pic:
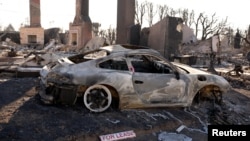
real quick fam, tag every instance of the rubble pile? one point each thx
(18, 58)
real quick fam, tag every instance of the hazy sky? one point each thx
(59, 13)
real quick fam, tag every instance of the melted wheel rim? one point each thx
(97, 98)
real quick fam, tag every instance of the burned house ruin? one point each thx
(80, 31)
(34, 33)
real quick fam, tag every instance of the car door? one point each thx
(155, 81)
(115, 72)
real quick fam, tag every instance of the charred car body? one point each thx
(130, 76)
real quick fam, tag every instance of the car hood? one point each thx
(221, 81)
(189, 69)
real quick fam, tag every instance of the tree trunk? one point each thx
(211, 64)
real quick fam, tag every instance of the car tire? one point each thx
(97, 98)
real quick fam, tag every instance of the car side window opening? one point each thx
(149, 64)
(117, 63)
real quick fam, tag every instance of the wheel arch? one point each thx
(208, 92)
(115, 96)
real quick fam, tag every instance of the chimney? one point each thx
(82, 12)
(35, 16)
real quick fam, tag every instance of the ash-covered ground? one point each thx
(23, 117)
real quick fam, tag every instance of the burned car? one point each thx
(126, 76)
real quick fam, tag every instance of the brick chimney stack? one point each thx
(35, 14)
(80, 31)
(125, 19)
(82, 12)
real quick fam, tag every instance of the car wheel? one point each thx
(97, 98)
